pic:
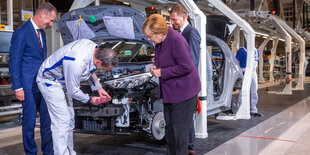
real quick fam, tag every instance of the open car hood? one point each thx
(106, 23)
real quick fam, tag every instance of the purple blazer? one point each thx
(179, 79)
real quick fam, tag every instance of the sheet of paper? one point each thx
(80, 32)
(120, 26)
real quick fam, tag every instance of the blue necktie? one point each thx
(179, 31)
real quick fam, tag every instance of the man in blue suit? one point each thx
(178, 17)
(27, 53)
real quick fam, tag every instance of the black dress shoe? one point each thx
(256, 114)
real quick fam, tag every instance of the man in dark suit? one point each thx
(27, 53)
(178, 17)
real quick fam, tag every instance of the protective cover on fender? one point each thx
(104, 23)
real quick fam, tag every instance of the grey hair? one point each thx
(107, 56)
(48, 7)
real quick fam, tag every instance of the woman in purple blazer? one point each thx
(179, 82)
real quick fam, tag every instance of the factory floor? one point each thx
(284, 129)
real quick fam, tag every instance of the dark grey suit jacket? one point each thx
(193, 39)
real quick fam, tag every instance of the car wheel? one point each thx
(158, 126)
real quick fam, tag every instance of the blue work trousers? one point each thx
(34, 102)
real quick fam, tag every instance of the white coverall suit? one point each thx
(241, 57)
(59, 81)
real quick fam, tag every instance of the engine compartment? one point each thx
(133, 106)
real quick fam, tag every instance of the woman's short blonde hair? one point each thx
(156, 24)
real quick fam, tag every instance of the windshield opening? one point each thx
(131, 52)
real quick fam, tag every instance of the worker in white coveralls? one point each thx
(242, 57)
(59, 81)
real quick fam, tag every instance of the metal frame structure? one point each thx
(9, 15)
(288, 39)
(199, 22)
(244, 110)
(236, 43)
(285, 31)
(272, 59)
(261, 61)
(300, 80)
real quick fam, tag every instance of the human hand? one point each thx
(94, 99)
(103, 93)
(156, 73)
(98, 100)
(20, 95)
(152, 68)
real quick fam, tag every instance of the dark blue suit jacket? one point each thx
(193, 39)
(26, 57)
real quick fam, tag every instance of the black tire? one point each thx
(161, 142)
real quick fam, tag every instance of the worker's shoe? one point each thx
(191, 152)
(256, 114)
